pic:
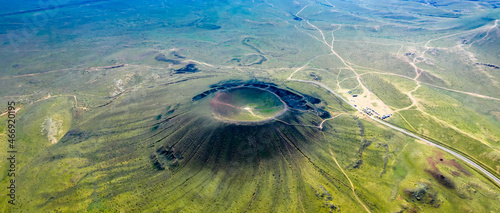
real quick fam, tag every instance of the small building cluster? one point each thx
(370, 112)
(352, 93)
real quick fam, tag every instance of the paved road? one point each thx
(471, 163)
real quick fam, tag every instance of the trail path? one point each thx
(349, 179)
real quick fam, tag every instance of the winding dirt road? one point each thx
(348, 65)
(471, 163)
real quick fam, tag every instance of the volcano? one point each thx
(248, 121)
(225, 146)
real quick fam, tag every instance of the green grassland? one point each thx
(88, 133)
(458, 115)
(379, 57)
(487, 108)
(328, 77)
(105, 166)
(404, 85)
(462, 73)
(386, 91)
(429, 127)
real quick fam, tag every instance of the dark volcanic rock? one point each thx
(312, 100)
(114, 67)
(165, 157)
(315, 76)
(440, 178)
(156, 162)
(176, 54)
(163, 58)
(74, 136)
(423, 194)
(190, 68)
(208, 26)
(323, 114)
(365, 144)
(296, 18)
(357, 164)
(489, 65)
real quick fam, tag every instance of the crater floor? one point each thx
(246, 105)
